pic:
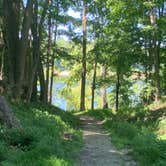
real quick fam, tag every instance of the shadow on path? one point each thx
(98, 149)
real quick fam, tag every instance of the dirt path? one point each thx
(98, 149)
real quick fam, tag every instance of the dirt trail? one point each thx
(98, 149)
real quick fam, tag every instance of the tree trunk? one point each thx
(11, 17)
(48, 57)
(103, 89)
(52, 68)
(43, 92)
(93, 85)
(35, 52)
(23, 47)
(37, 38)
(83, 76)
(117, 91)
(157, 74)
(156, 56)
(51, 81)
(34, 90)
(17, 48)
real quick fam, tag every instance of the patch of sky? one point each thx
(74, 13)
(77, 30)
(110, 89)
(25, 2)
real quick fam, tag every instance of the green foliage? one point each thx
(41, 140)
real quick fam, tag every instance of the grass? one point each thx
(41, 141)
(141, 129)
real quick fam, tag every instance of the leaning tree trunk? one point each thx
(6, 115)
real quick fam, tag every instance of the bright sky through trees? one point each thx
(73, 13)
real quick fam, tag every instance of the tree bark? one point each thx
(17, 48)
(93, 85)
(23, 47)
(117, 90)
(83, 76)
(51, 81)
(103, 89)
(48, 57)
(156, 56)
(37, 38)
(157, 74)
(43, 92)
(34, 96)
(52, 68)
(11, 17)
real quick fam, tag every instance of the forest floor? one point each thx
(98, 149)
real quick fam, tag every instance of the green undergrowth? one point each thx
(138, 129)
(48, 137)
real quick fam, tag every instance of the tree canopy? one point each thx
(108, 47)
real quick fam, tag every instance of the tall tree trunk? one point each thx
(34, 90)
(48, 57)
(51, 81)
(157, 73)
(52, 68)
(11, 17)
(83, 76)
(93, 85)
(43, 92)
(156, 56)
(164, 80)
(117, 90)
(1, 52)
(103, 89)
(37, 38)
(23, 47)
(17, 48)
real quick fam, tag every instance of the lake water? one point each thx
(60, 102)
(56, 99)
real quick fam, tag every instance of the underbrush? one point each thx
(138, 129)
(48, 137)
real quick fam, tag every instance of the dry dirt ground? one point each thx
(98, 149)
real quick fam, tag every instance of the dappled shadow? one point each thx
(98, 149)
